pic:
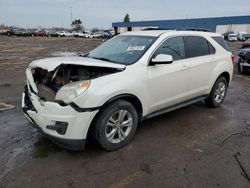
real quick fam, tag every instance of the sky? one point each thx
(101, 13)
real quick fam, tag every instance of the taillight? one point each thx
(232, 57)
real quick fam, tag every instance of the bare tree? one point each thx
(77, 25)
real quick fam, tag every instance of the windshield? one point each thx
(122, 49)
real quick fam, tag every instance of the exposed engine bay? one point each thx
(48, 83)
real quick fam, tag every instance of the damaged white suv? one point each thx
(109, 91)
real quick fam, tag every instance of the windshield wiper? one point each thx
(104, 59)
(83, 54)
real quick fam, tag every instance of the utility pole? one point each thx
(71, 15)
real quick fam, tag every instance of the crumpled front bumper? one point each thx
(63, 125)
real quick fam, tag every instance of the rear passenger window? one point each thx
(198, 46)
(174, 47)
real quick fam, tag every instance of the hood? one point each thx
(51, 64)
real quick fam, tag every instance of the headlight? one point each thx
(71, 91)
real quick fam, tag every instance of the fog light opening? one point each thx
(60, 127)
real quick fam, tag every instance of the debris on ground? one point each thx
(233, 134)
(5, 106)
(237, 157)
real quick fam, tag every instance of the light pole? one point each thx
(71, 15)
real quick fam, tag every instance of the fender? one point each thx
(107, 88)
(222, 67)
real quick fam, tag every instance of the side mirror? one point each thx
(162, 59)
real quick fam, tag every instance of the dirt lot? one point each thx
(190, 147)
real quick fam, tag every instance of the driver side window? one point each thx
(174, 47)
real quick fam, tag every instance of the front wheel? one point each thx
(218, 93)
(116, 125)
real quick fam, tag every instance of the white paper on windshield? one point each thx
(136, 48)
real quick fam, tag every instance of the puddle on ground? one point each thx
(64, 54)
(43, 147)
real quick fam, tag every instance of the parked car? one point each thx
(227, 33)
(40, 33)
(65, 34)
(243, 64)
(240, 35)
(106, 35)
(22, 33)
(245, 37)
(51, 33)
(246, 44)
(61, 33)
(7, 31)
(232, 37)
(129, 78)
(90, 35)
(83, 35)
(18, 32)
(97, 35)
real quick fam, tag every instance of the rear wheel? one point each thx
(116, 125)
(218, 93)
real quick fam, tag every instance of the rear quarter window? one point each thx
(198, 46)
(222, 43)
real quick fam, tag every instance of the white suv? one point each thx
(137, 75)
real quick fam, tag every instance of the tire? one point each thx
(241, 69)
(217, 97)
(108, 124)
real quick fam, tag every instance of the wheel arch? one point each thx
(225, 75)
(134, 100)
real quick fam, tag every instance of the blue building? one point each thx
(216, 24)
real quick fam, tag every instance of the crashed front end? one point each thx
(48, 102)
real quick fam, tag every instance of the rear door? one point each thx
(200, 54)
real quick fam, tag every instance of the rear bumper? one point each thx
(245, 64)
(63, 125)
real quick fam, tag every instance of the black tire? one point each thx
(211, 100)
(100, 129)
(241, 70)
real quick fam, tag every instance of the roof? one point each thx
(157, 33)
(206, 23)
(153, 33)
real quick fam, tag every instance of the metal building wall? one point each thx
(206, 23)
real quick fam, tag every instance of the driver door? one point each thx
(168, 83)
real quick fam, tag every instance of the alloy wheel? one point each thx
(118, 126)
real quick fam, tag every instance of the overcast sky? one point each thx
(101, 13)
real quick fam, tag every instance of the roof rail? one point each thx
(153, 28)
(195, 29)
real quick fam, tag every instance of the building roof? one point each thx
(208, 23)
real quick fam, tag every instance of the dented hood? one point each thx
(51, 64)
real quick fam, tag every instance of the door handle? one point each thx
(184, 67)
